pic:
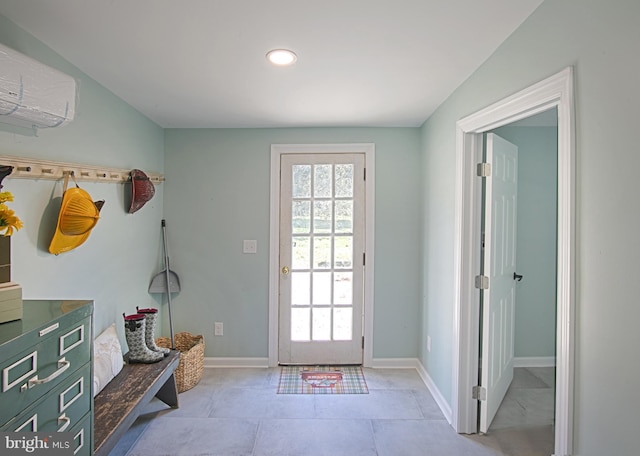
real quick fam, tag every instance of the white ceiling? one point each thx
(201, 63)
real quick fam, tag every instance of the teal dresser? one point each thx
(47, 371)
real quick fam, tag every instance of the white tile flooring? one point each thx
(238, 412)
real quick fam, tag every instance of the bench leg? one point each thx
(168, 393)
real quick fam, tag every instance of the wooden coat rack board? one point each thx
(28, 168)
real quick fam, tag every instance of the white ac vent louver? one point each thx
(33, 94)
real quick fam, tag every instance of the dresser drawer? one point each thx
(39, 322)
(62, 409)
(35, 371)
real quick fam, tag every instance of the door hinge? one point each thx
(364, 259)
(482, 282)
(483, 169)
(479, 393)
(364, 174)
(363, 342)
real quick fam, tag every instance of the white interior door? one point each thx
(321, 258)
(499, 264)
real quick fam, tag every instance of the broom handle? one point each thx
(166, 271)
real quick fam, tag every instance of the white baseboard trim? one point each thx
(414, 363)
(236, 362)
(435, 392)
(394, 363)
(534, 361)
(378, 363)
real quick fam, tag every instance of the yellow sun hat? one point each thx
(78, 215)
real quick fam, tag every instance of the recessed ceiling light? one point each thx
(282, 57)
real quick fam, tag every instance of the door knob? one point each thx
(285, 270)
(517, 277)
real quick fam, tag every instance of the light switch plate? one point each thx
(249, 246)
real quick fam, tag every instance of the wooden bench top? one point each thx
(118, 405)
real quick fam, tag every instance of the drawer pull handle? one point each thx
(67, 421)
(63, 365)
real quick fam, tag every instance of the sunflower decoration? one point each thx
(9, 221)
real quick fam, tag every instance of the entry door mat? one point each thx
(322, 380)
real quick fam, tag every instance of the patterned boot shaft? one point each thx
(134, 330)
(151, 319)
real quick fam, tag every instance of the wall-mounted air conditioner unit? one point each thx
(33, 94)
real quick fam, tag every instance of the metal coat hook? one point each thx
(5, 170)
(517, 277)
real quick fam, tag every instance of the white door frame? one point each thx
(555, 91)
(274, 236)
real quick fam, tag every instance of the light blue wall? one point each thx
(535, 316)
(217, 195)
(601, 40)
(123, 251)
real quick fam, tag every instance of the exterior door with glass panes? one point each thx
(321, 258)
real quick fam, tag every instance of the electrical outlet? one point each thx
(250, 246)
(218, 328)
(428, 343)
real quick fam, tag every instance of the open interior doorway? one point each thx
(555, 91)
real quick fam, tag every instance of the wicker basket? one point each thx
(191, 348)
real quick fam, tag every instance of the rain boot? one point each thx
(134, 331)
(151, 318)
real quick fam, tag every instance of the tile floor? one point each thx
(237, 412)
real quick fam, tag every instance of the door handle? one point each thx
(517, 277)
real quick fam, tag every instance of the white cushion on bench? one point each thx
(107, 358)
